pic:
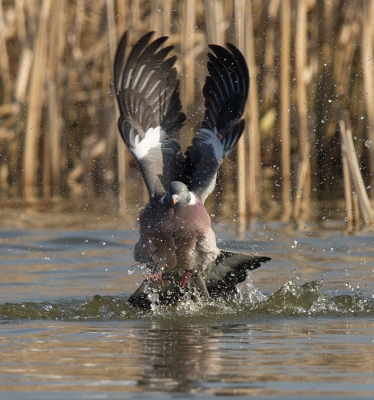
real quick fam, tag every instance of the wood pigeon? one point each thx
(177, 242)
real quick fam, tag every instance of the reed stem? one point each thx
(285, 108)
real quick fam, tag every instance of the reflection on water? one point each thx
(274, 357)
(65, 327)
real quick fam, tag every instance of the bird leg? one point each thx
(154, 273)
(186, 278)
(199, 281)
(202, 286)
(155, 276)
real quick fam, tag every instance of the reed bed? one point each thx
(308, 140)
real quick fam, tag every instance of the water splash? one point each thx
(309, 299)
(289, 299)
(249, 294)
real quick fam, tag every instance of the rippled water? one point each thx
(66, 331)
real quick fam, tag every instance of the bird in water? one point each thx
(177, 242)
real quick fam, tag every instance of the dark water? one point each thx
(304, 326)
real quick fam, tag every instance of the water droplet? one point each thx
(131, 270)
(368, 143)
(346, 219)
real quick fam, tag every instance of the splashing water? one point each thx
(289, 299)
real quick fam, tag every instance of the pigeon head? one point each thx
(178, 195)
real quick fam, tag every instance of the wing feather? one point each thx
(225, 92)
(147, 90)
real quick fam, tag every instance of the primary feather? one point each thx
(147, 91)
(225, 92)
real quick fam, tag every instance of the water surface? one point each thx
(66, 331)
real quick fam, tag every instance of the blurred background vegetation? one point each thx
(311, 64)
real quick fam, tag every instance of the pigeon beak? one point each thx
(174, 199)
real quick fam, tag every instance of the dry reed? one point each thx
(285, 107)
(254, 156)
(302, 195)
(349, 153)
(58, 136)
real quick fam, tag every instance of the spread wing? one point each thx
(147, 91)
(225, 91)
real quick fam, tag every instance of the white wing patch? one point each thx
(209, 189)
(152, 139)
(192, 202)
(211, 138)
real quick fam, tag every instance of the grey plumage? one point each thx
(225, 92)
(176, 238)
(147, 91)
